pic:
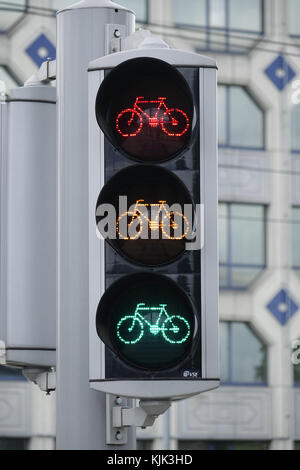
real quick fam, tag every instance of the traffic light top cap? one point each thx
(174, 57)
(42, 93)
(95, 4)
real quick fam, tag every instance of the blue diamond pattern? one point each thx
(41, 49)
(280, 73)
(282, 307)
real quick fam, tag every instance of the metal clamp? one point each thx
(113, 35)
(47, 71)
(45, 379)
(119, 416)
(116, 40)
(45, 74)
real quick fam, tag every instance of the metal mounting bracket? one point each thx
(141, 39)
(45, 379)
(113, 35)
(45, 74)
(115, 435)
(119, 416)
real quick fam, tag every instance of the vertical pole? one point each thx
(286, 240)
(80, 39)
(281, 210)
(166, 430)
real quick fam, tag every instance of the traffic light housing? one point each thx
(153, 267)
(28, 245)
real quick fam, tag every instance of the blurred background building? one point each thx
(256, 44)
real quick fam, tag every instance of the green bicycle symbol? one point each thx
(131, 329)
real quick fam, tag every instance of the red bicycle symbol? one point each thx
(174, 122)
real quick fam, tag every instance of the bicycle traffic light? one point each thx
(153, 224)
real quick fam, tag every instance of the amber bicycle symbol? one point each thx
(164, 220)
(174, 122)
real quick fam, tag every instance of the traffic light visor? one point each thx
(155, 221)
(147, 320)
(145, 108)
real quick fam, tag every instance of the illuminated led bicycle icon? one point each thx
(130, 225)
(174, 122)
(174, 328)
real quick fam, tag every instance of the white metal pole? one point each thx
(80, 39)
(166, 430)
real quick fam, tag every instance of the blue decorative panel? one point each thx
(280, 73)
(41, 49)
(282, 307)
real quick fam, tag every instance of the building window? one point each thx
(243, 355)
(219, 19)
(60, 4)
(241, 120)
(7, 81)
(242, 240)
(8, 374)
(144, 444)
(140, 7)
(294, 13)
(297, 375)
(11, 13)
(296, 238)
(14, 444)
(223, 445)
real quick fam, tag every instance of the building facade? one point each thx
(255, 43)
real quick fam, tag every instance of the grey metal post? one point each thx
(81, 38)
(166, 430)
